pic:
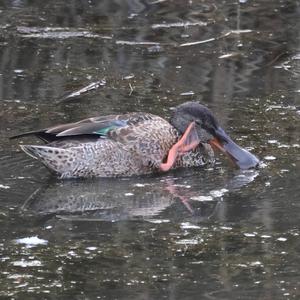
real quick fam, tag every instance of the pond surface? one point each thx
(212, 233)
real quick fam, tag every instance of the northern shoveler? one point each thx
(135, 144)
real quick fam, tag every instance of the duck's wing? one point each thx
(95, 127)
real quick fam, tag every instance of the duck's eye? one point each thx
(209, 129)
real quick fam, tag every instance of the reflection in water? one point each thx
(45, 69)
(114, 200)
(117, 199)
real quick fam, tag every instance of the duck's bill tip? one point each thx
(241, 157)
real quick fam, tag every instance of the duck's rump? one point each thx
(73, 158)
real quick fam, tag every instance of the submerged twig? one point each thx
(131, 89)
(133, 43)
(216, 38)
(197, 43)
(90, 87)
(178, 25)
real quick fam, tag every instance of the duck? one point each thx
(135, 143)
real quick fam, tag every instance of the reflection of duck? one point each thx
(135, 143)
(168, 198)
(101, 199)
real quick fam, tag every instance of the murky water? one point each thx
(190, 234)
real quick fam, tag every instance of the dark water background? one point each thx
(190, 234)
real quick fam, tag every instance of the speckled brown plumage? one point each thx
(136, 148)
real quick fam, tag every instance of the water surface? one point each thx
(212, 233)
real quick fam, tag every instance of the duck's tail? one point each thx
(57, 160)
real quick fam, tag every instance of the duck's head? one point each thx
(209, 131)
